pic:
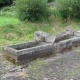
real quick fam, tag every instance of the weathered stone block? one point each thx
(28, 50)
(61, 36)
(43, 45)
(50, 38)
(75, 41)
(66, 44)
(77, 33)
(56, 37)
(63, 45)
(40, 35)
(70, 30)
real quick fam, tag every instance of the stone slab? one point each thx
(50, 38)
(40, 35)
(40, 49)
(57, 37)
(67, 44)
(77, 33)
(70, 30)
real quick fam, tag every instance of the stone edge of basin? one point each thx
(50, 47)
(27, 53)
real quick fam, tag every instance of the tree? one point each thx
(5, 3)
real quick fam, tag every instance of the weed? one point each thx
(8, 20)
(2, 71)
(13, 31)
(36, 63)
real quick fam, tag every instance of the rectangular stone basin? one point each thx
(67, 44)
(28, 50)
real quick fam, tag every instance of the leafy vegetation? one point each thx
(36, 63)
(68, 8)
(5, 3)
(13, 30)
(4, 21)
(51, 0)
(32, 10)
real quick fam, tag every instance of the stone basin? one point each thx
(43, 45)
(28, 50)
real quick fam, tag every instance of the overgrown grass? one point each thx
(13, 31)
(8, 20)
(36, 63)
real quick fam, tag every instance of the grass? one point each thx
(36, 63)
(14, 31)
(8, 20)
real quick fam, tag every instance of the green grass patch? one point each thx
(8, 20)
(36, 63)
(13, 31)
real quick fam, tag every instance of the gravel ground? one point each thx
(64, 66)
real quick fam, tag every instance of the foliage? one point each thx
(4, 20)
(68, 8)
(51, 0)
(36, 62)
(8, 11)
(7, 8)
(32, 10)
(13, 31)
(5, 3)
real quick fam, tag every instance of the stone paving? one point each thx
(64, 66)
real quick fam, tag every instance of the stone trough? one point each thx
(43, 44)
(28, 50)
(67, 44)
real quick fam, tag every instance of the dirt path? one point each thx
(60, 67)
(65, 67)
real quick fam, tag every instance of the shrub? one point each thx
(5, 3)
(68, 8)
(32, 10)
(51, 0)
(7, 8)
